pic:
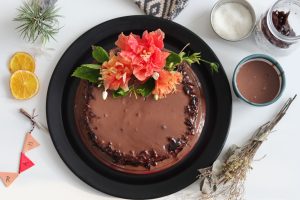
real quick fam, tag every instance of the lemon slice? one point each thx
(24, 84)
(21, 61)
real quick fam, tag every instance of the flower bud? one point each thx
(155, 75)
(104, 95)
(124, 78)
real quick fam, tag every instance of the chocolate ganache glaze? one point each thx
(141, 135)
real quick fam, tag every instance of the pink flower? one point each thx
(145, 53)
(116, 72)
(166, 83)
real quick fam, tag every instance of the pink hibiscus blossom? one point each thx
(145, 53)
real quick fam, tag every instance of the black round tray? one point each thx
(60, 114)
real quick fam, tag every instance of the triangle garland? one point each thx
(8, 177)
(25, 163)
(30, 143)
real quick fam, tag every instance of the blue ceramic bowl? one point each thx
(267, 59)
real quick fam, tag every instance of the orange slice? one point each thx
(21, 61)
(24, 84)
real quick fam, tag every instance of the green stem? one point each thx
(205, 61)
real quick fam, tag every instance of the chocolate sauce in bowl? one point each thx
(258, 81)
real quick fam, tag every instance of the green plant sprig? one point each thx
(37, 22)
(175, 59)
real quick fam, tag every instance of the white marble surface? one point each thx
(275, 177)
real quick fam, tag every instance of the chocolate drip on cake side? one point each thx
(191, 110)
(146, 158)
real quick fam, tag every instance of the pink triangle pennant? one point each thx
(30, 143)
(8, 177)
(25, 163)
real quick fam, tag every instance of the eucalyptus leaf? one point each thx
(99, 54)
(87, 73)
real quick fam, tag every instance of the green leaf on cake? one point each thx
(172, 61)
(143, 90)
(121, 93)
(99, 54)
(87, 73)
(91, 66)
(146, 88)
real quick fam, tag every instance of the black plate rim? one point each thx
(127, 190)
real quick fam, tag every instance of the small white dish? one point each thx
(244, 3)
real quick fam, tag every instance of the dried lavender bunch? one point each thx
(225, 180)
(38, 19)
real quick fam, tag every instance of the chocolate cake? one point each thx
(141, 135)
